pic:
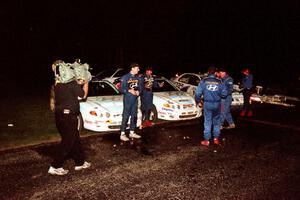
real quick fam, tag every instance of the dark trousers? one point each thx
(146, 101)
(129, 110)
(70, 146)
(246, 94)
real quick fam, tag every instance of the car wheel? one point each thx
(80, 122)
(153, 114)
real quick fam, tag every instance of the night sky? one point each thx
(170, 35)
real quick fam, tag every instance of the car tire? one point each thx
(153, 114)
(80, 122)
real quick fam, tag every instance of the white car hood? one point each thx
(112, 104)
(179, 97)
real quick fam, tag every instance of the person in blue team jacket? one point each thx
(226, 102)
(149, 82)
(131, 89)
(247, 85)
(212, 90)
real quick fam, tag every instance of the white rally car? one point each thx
(169, 103)
(189, 81)
(111, 74)
(103, 108)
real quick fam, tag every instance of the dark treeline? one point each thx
(173, 36)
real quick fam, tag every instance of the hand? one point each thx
(161, 84)
(200, 104)
(81, 82)
(85, 89)
(52, 104)
(132, 91)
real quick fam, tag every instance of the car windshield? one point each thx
(101, 89)
(166, 86)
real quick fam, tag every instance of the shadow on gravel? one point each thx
(49, 150)
(138, 145)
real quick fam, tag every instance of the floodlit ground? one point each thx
(257, 160)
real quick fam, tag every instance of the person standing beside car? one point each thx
(247, 85)
(66, 109)
(131, 89)
(212, 90)
(149, 83)
(226, 102)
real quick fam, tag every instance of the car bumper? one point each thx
(109, 125)
(180, 114)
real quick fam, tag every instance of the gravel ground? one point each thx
(254, 161)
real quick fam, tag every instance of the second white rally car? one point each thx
(169, 103)
(189, 81)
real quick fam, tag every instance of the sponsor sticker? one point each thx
(167, 109)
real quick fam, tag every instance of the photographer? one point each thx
(66, 109)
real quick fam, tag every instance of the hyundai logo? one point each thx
(212, 88)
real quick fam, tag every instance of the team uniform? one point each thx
(212, 90)
(247, 82)
(226, 102)
(149, 83)
(130, 101)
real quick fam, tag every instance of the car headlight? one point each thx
(169, 104)
(94, 113)
(106, 114)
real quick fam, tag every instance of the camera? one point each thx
(67, 72)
